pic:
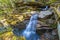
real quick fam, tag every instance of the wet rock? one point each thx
(50, 21)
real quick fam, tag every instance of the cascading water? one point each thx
(30, 32)
(46, 8)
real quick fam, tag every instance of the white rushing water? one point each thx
(30, 32)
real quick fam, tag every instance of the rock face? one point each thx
(58, 11)
(5, 24)
(43, 14)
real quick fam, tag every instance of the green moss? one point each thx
(53, 25)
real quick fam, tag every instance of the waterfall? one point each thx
(45, 8)
(30, 31)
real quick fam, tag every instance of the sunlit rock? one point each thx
(21, 18)
(43, 14)
(4, 22)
